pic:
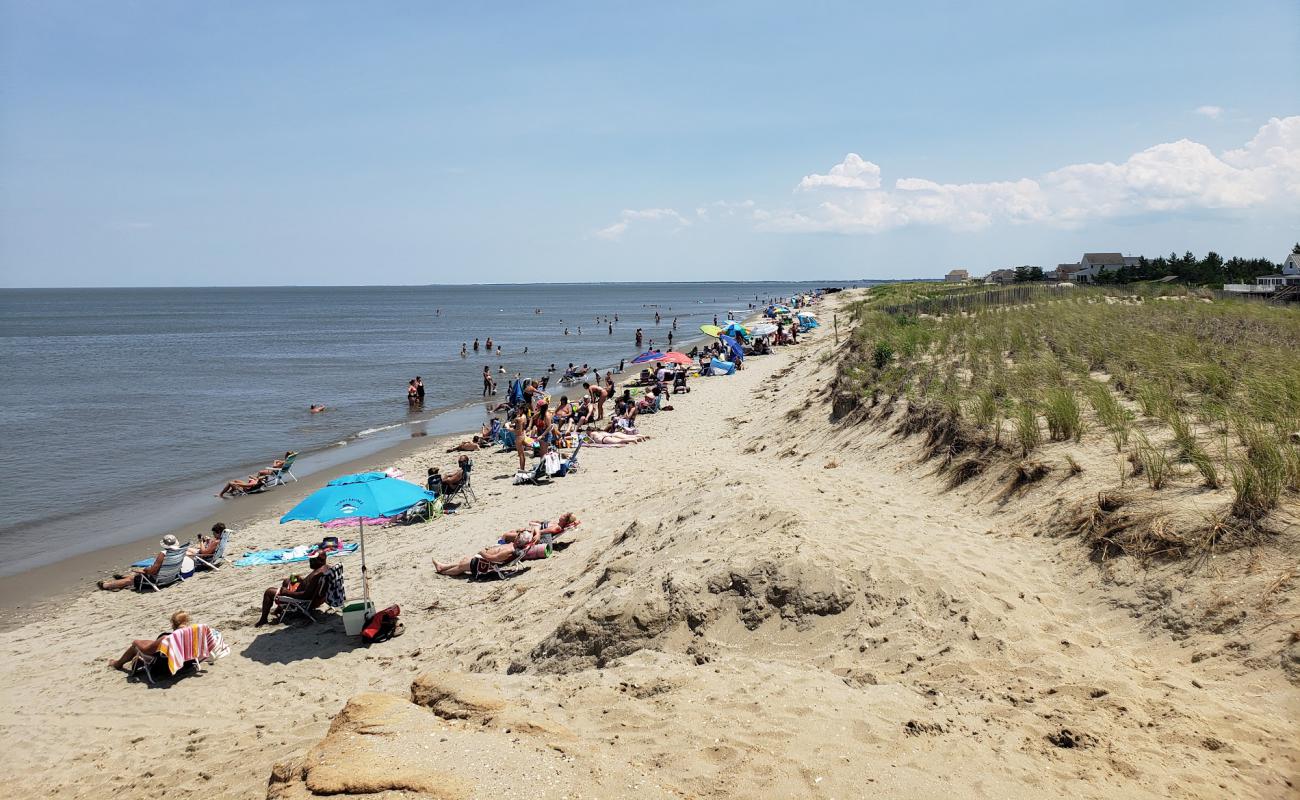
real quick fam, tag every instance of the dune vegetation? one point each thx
(1183, 388)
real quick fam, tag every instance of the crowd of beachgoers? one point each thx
(541, 423)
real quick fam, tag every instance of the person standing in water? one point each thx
(488, 344)
(476, 341)
(638, 338)
(464, 351)
(411, 394)
(670, 339)
(419, 389)
(487, 382)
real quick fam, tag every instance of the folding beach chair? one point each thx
(425, 510)
(330, 593)
(482, 570)
(571, 463)
(169, 572)
(464, 491)
(208, 646)
(211, 562)
(276, 478)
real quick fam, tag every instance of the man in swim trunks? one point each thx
(308, 588)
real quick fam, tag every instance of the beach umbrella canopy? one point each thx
(648, 356)
(734, 346)
(673, 357)
(736, 331)
(766, 329)
(364, 494)
(710, 330)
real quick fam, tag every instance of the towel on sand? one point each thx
(288, 555)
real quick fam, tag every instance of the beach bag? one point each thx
(382, 626)
(552, 462)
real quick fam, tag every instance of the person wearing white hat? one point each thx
(136, 578)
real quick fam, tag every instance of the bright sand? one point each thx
(758, 603)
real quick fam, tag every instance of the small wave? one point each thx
(369, 431)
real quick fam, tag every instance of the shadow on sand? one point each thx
(285, 644)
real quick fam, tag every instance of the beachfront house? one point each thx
(1093, 264)
(1273, 285)
(1001, 276)
(956, 276)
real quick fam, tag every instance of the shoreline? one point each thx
(29, 592)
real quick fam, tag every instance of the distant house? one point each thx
(1001, 276)
(956, 276)
(1062, 272)
(1093, 264)
(1272, 284)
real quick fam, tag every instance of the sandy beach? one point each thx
(758, 602)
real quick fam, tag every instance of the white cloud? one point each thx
(1168, 177)
(1213, 112)
(851, 173)
(615, 231)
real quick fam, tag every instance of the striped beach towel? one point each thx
(192, 643)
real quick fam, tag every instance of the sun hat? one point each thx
(169, 542)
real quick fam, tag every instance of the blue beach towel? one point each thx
(288, 555)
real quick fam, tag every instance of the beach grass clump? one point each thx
(1110, 412)
(1153, 462)
(1063, 414)
(1027, 432)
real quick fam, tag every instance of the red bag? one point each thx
(382, 626)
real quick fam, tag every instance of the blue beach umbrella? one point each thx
(647, 356)
(736, 331)
(734, 346)
(365, 494)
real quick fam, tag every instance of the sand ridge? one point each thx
(758, 602)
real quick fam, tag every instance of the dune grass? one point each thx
(1211, 388)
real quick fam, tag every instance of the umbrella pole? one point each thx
(365, 578)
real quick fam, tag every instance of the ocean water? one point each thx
(124, 410)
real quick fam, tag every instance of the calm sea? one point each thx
(125, 409)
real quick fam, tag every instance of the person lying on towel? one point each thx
(310, 588)
(148, 646)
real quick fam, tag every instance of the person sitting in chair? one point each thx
(136, 578)
(494, 554)
(208, 544)
(310, 588)
(452, 480)
(236, 486)
(537, 528)
(148, 647)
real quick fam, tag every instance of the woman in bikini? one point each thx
(537, 528)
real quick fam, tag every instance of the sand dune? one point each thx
(758, 603)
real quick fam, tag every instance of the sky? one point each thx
(329, 143)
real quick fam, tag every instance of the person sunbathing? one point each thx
(475, 443)
(136, 578)
(309, 589)
(237, 486)
(536, 528)
(148, 647)
(613, 437)
(277, 464)
(494, 554)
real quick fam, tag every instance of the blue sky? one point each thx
(329, 143)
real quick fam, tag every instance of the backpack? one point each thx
(382, 626)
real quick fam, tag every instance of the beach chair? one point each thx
(192, 644)
(482, 570)
(276, 478)
(425, 510)
(330, 594)
(211, 562)
(464, 491)
(169, 572)
(571, 463)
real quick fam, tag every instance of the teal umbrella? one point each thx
(364, 494)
